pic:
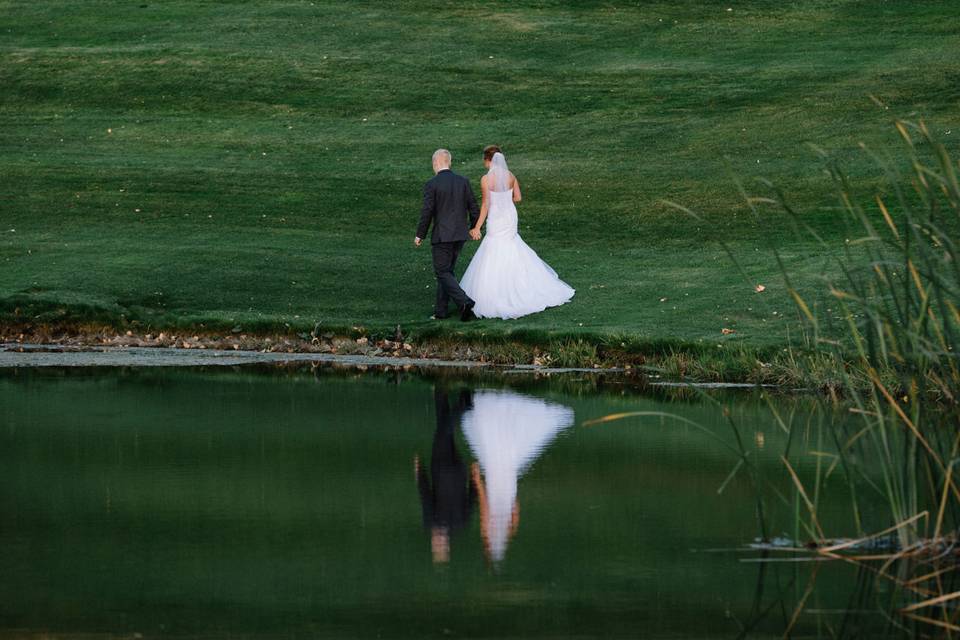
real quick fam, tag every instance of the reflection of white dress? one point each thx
(506, 278)
(507, 432)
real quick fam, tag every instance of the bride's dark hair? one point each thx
(489, 150)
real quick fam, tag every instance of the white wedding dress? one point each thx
(506, 432)
(506, 278)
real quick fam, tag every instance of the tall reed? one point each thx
(894, 345)
(895, 278)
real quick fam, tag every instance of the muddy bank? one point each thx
(681, 363)
(33, 355)
(312, 346)
(29, 355)
(91, 337)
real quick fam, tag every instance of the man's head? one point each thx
(441, 160)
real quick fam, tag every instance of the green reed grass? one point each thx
(884, 348)
(893, 346)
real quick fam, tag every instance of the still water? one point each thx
(321, 503)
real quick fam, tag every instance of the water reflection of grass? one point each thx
(286, 501)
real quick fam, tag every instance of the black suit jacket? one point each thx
(447, 202)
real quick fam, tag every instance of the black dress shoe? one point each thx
(466, 313)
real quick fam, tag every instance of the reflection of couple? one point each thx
(506, 432)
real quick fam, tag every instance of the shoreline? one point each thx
(17, 355)
(677, 362)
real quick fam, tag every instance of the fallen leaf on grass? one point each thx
(727, 332)
(759, 288)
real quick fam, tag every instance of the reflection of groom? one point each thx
(449, 499)
(447, 201)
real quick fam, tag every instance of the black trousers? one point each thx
(445, 256)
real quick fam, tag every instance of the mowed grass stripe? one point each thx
(263, 161)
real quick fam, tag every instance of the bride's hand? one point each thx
(475, 233)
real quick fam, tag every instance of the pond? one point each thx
(295, 501)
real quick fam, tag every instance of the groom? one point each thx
(447, 202)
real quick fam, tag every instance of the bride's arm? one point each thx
(484, 206)
(516, 190)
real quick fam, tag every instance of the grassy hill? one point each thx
(261, 163)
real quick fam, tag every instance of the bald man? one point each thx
(449, 204)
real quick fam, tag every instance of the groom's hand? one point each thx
(416, 242)
(475, 234)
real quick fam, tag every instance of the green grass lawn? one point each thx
(262, 162)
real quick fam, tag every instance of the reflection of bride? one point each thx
(507, 432)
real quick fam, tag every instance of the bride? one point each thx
(506, 278)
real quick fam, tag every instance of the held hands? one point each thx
(417, 241)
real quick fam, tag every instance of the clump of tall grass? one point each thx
(894, 346)
(891, 357)
(893, 349)
(573, 353)
(899, 288)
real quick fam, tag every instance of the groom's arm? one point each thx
(472, 205)
(426, 211)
